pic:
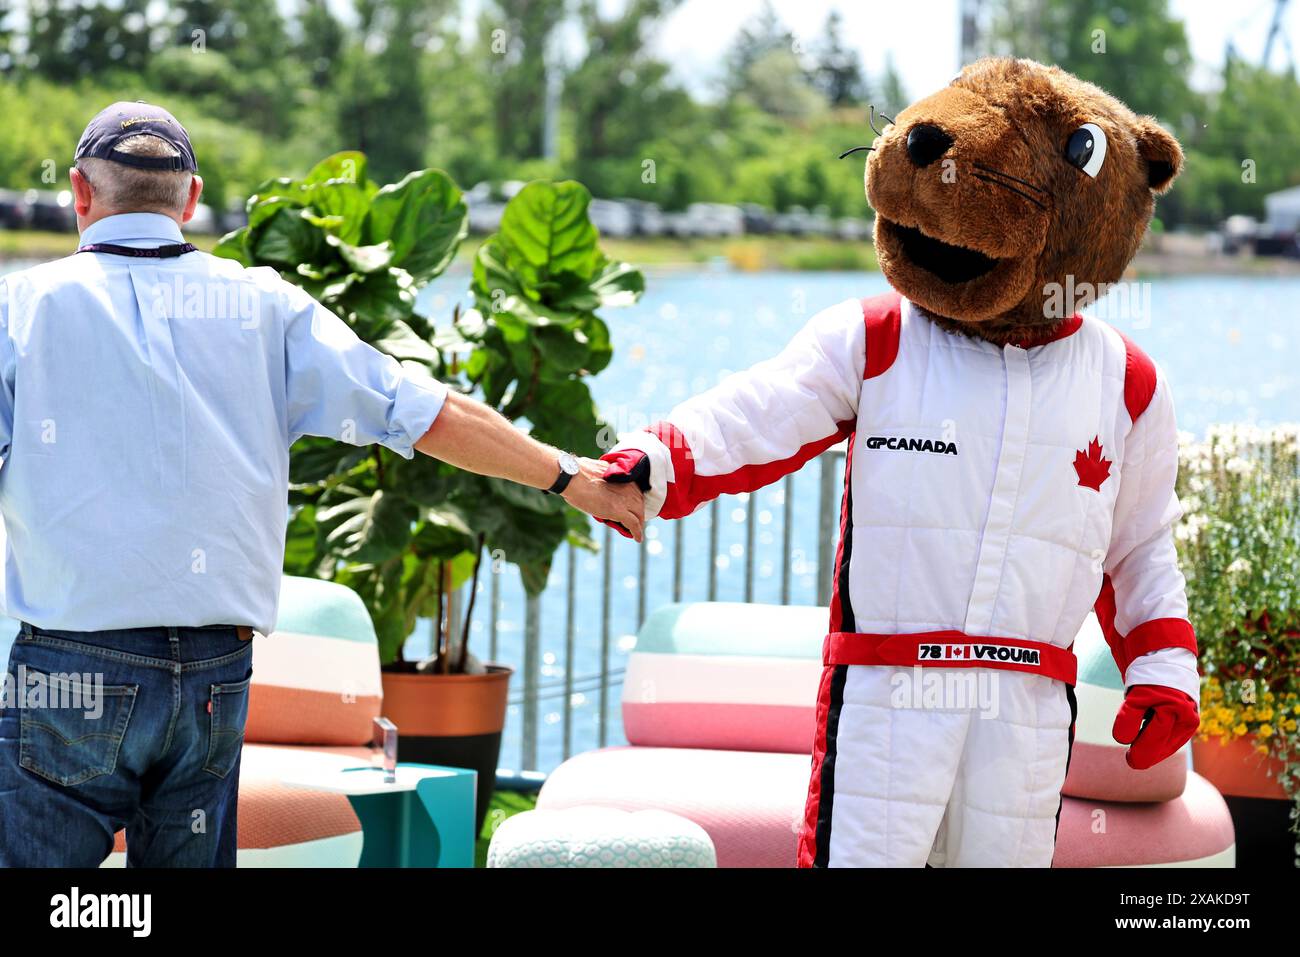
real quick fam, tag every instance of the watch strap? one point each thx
(561, 483)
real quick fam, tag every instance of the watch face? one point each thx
(569, 463)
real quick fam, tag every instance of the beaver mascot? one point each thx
(1010, 467)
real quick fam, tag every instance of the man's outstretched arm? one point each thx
(477, 438)
(343, 388)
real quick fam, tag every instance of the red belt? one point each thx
(951, 649)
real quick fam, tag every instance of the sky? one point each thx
(922, 35)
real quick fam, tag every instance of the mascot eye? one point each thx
(1086, 148)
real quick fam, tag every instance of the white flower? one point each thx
(1240, 567)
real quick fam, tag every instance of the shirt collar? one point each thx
(1062, 330)
(144, 229)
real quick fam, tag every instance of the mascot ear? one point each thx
(1163, 155)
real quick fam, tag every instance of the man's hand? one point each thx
(474, 437)
(610, 503)
(630, 467)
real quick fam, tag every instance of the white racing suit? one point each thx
(990, 493)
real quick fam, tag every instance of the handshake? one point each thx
(612, 490)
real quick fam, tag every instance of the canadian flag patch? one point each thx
(1093, 467)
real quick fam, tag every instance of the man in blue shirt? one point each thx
(149, 394)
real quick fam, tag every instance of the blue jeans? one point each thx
(136, 728)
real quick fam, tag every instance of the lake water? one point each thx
(1228, 344)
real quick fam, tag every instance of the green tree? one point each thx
(514, 36)
(839, 71)
(382, 106)
(1137, 51)
(618, 96)
(893, 96)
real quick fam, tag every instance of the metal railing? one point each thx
(563, 688)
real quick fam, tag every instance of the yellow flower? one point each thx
(1240, 729)
(1264, 714)
(1262, 749)
(1289, 724)
(1265, 731)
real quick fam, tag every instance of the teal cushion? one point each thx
(735, 628)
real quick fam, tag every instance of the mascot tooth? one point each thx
(1011, 467)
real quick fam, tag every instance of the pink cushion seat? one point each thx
(1193, 829)
(750, 803)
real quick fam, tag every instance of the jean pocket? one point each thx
(75, 734)
(228, 710)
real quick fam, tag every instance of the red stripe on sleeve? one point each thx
(747, 478)
(883, 315)
(1149, 636)
(1139, 379)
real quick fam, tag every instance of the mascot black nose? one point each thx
(926, 143)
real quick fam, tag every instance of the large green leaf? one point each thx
(564, 347)
(423, 219)
(339, 190)
(362, 259)
(315, 460)
(378, 300)
(286, 239)
(234, 245)
(618, 284)
(401, 342)
(348, 166)
(364, 526)
(545, 232)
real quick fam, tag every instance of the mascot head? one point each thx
(998, 189)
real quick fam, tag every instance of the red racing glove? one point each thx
(1155, 721)
(626, 465)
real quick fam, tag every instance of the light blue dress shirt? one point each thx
(147, 407)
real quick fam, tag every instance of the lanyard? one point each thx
(159, 252)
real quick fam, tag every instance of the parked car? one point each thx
(235, 216)
(612, 218)
(793, 222)
(820, 222)
(647, 217)
(716, 219)
(15, 212)
(679, 225)
(757, 219)
(485, 216)
(1269, 243)
(1237, 233)
(480, 192)
(52, 210)
(852, 229)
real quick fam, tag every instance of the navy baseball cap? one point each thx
(123, 120)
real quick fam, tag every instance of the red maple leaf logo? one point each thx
(1092, 466)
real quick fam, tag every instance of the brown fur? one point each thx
(1015, 117)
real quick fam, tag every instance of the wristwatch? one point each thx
(568, 463)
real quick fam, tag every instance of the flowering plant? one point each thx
(1239, 546)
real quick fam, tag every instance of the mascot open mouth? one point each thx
(952, 264)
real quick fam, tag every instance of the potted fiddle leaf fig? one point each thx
(406, 535)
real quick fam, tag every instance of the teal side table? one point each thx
(424, 819)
